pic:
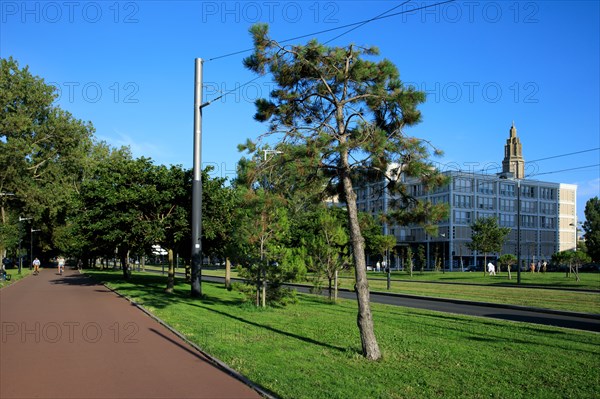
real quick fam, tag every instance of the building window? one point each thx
(485, 187)
(507, 205)
(528, 221)
(547, 222)
(547, 193)
(463, 201)
(485, 215)
(507, 220)
(547, 208)
(485, 203)
(462, 217)
(528, 206)
(528, 191)
(464, 185)
(507, 189)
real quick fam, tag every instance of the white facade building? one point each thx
(547, 213)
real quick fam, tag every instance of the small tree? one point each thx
(409, 260)
(421, 257)
(327, 249)
(508, 260)
(591, 227)
(487, 237)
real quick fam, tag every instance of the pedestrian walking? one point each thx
(544, 266)
(491, 269)
(539, 266)
(36, 266)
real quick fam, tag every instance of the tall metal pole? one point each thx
(197, 185)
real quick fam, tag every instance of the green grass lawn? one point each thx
(312, 349)
(15, 276)
(476, 287)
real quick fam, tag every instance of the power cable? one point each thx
(564, 170)
(360, 23)
(366, 22)
(356, 26)
(551, 157)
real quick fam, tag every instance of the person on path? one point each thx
(491, 269)
(36, 266)
(61, 264)
(544, 266)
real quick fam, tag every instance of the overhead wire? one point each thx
(359, 23)
(355, 25)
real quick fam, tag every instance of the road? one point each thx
(504, 312)
(69, 337)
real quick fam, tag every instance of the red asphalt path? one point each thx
(68, 337)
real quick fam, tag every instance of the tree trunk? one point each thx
(335, 292)
(330, 288)
(171, 274)
(484, 263)
(227, 274)
(370, 348)
(124, 255)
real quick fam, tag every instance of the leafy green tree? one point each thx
(42, 154)
(349, 114)
(119, 205)
(591, 227)
(487, 237)
(260, 239)
(572, 259)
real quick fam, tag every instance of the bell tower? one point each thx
(513, 161)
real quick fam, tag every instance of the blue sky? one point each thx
(129, 67)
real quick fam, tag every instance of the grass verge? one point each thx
(15, 276)
(312, 349)
(475, 287)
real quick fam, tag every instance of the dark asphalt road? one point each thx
(504, 312)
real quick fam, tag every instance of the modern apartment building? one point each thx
(547, 212)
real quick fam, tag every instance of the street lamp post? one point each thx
(21, 219)
(510, 176)
(31, 242)
(518, 181)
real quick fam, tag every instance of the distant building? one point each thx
(548, 212)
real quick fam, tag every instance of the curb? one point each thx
(215, 362)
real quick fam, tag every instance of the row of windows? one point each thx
(506, 205)
(508, 220)
(507, 189)
(528, 221)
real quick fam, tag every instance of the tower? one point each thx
(513, 155)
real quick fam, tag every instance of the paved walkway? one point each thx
(68, 337)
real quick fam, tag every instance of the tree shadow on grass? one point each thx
(273, 329)
(493, 334)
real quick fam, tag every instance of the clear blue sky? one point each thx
(129, 67)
